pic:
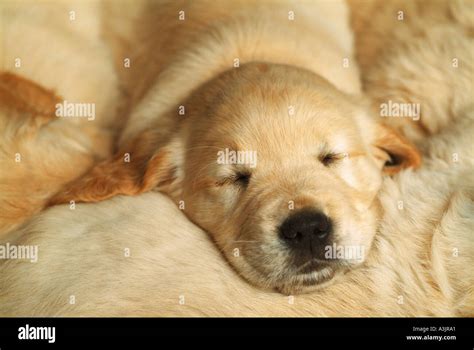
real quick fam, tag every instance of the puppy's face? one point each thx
(278, 166)
(283, 171)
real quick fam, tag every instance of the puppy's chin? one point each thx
(309, 281)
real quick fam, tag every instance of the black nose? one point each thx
(307, 231)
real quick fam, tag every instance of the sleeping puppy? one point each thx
(253, 126)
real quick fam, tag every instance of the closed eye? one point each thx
(240, 178)
(331, 158)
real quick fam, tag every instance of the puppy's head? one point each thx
(282, 170)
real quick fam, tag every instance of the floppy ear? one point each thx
(133, 170)
(28, 99)
(394, 151)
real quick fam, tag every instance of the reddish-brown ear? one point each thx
(27, 98)
(395, 151)
(133, 170)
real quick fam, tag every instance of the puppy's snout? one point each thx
(307, 231)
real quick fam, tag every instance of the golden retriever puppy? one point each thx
(58, 89)
(416, 61)
(140, 256)
(254, 128)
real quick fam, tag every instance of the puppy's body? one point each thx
(50, 53)
(180, 45)
(140, 256)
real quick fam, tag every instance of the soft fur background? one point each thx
(412, 269)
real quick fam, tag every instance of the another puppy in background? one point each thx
(416, 53)
(53, 58)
